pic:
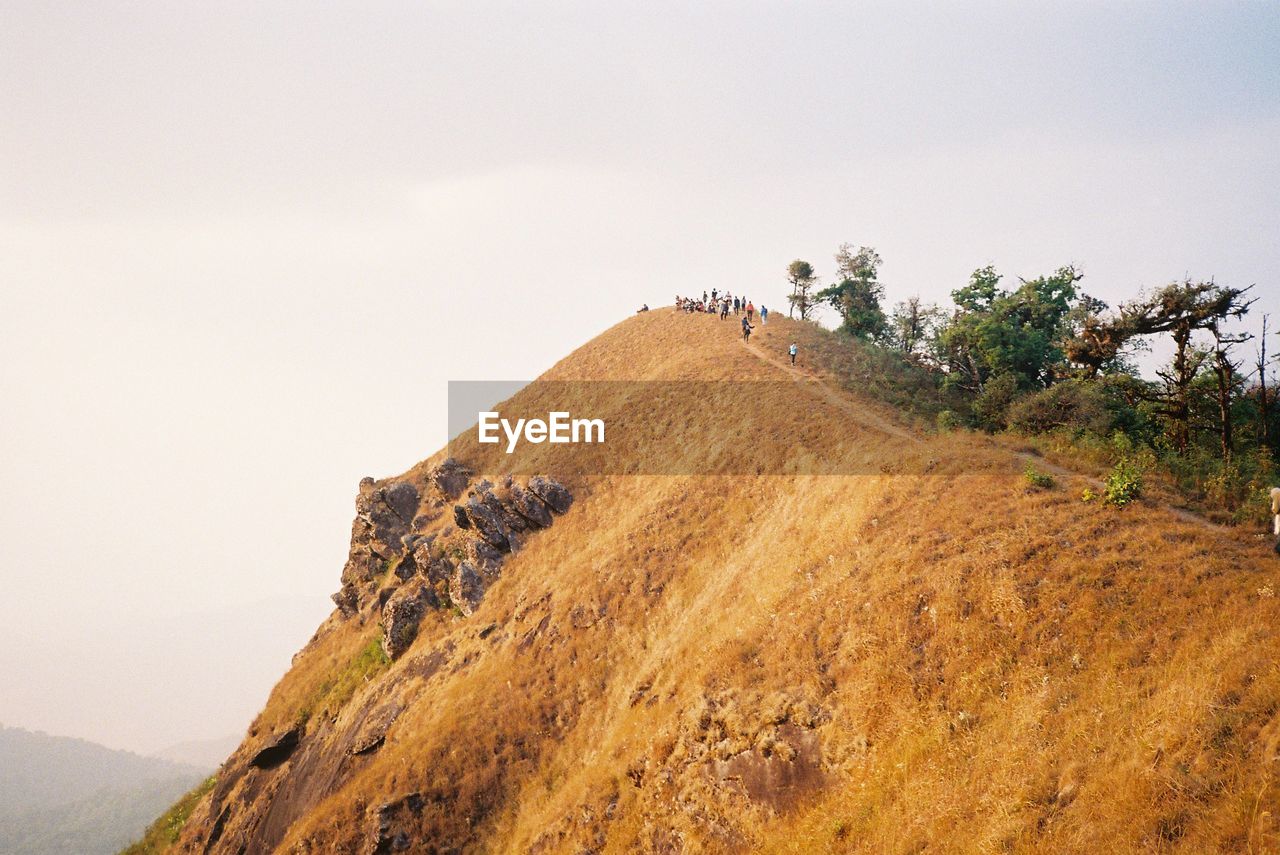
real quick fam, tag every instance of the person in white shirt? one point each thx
(1275, 514)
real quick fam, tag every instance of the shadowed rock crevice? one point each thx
(279, 749)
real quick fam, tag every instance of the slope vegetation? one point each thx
(925, 654)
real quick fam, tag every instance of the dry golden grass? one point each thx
(929, 656)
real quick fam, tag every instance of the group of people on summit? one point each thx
(717, 303)
(722, 304)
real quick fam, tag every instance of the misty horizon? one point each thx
(246, 249)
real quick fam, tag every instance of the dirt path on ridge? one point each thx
(862, 415)
(870, 419)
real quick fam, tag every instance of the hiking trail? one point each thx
(870, 419)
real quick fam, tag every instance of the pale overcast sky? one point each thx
(243, 246)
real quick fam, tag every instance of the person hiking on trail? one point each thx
(724, 308)
(793, 350)
(1275, 513)
(746, 329)
(713, 295)
(764, 314)
(751, 310)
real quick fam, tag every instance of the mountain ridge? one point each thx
(929, 651)
(64, 794)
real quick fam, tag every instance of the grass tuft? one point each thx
(332, 694)
(1038, 480)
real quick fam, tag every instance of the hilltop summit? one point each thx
(921, 654)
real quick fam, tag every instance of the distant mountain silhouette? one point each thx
(62, 795)
(205, 754)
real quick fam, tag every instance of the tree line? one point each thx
(1041, 356)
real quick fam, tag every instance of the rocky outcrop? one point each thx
(485, 558)
(393, 825)
(394, 519)
(432, 563)
(408, 572)
(555, 494)
(373, 730)
(347, 599)
(534, 510)
(782, 767)
(466, 588)
(497, 518)
(402, 614)
(489, 526)
(450, 478)
(384, 516)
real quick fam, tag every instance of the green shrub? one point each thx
(1123, 485)
(1036, 479)
(1122, 443)
(1256, 506)
(991, 406)
(949, 421)
(1077, 406)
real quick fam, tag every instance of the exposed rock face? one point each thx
(401, 616)
(450, 478)
(362, 564)
(486, 559)
(466, 588)
(491, 524)
(383, 519)
(496, 520)
(347, 600)
(277, 750)
(555, 494)
(391, 823)
(501, 507)
(435, 564)
(384, 516)
(374, 728)
(401, 500)
(784, 765)
(434, 567)
(406, 568)
(529, 506)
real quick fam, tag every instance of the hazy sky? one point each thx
(243, 249)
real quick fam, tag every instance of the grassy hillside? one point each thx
(929, 655)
